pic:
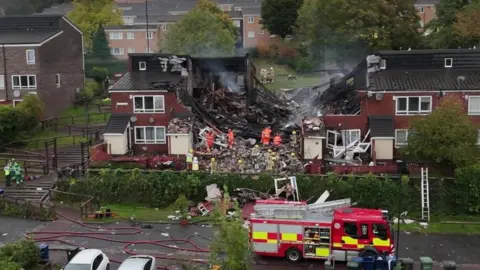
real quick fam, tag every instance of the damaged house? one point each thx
(165, 101)
(367, 113)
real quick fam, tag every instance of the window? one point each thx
(142, 65)
(130, 35)
(251, 34)
(413, 105)
(131, 50)
(128, 20)
(383, 64)
(380, 231)
(237, 23)
(150, 135)
(30, 54)
(251, 19)
(148, 50)
(350, 135)
(420, 9)
(24, 81)
(364, 231)
(401, 137)
(448, 62)
(96, 263)
(164, 27)
(57, 79)
(261, 32)
(149, 35)
(149, 104)
(2, 82)
(237, 9)
(350, 229)
(116, 35)
(117, 51)
(474, 105)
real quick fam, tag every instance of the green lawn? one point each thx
(37, 141)
(281, 76)
(436, 226)
(75, 115)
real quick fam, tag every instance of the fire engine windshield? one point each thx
(381, 231)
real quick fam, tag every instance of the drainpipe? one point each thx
(5, 72)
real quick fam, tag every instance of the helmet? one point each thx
(269, 150)
(213, 159)
(256, 146)
(240, 161)
(294, 132)
(191, 150)
(273, 158)
(292, 154)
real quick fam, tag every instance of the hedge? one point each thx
(161, 189)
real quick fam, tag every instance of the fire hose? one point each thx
(55, 236)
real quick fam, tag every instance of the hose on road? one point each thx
(102, 232)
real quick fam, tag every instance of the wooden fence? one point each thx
(87, 203)
(34, 209)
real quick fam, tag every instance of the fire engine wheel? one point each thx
(369, 252)
(293, 255)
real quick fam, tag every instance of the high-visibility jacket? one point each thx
(230, 136)
(195, 165)
(213, 166)
(277, 140)
(7, 170)
(189, 157)
(210, 138)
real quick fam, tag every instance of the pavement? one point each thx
(175, 243)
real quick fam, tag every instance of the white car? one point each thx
(89, 259)
(140, 262)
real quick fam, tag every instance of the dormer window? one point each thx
(142, 66)
(383, 64)
(448, 62)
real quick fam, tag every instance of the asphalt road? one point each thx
(170, 239)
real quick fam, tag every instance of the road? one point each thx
(463, 250)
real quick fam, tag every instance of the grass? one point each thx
(76, 115)
(37, 141)
(435, 226)
(281, 76)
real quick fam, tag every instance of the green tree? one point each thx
(280, 16)
(446, 137)
(100, 48)
(467, 21)
(90, 15)
(32, 106)
(230, 246)
(214, 35)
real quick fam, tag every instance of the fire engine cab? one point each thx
(322, 230)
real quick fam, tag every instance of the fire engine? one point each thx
(322, 230)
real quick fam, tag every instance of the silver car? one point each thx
(139, 262)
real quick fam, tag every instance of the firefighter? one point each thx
(210, 139)
(272, 75)
(256, 151)
(7, 170)
(231, 138)
(266, 135)
(195, 166)
(17, 173)
(277, 140)
(241, 166)
(213, 165)
(270, 163)
(293, 138)
(189, 159)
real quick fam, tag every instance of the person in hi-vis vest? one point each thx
(195, 164)
(189, 159)
(8, 175)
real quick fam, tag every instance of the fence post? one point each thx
(82, 154)
(55, 154)
(56, 125)
(47, 166)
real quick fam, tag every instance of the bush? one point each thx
(24, 253)
(303, 64)
(91, 87)
(14, 122)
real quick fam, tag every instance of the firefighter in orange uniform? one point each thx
(277, 140)
(231, 138)
(210, 140)
(266, 135)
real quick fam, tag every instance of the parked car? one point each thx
(140, 262)
(89, 259)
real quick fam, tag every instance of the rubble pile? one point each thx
(180, 125)
(313, 125)
(338, 99)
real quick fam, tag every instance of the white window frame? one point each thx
(149, 35)
(251, 19)
(347, 134)
(237, 23)
(251, 34)
(130, 35)
(470, 110)
(397, 144)
(142, 65)
(57, 80)
(30, 61)
(131, 50)
(154, 141)
(383, 64)
(261, 32)
(154, 110)
(451, 62)
(164, 27)
(421, 10)
(407, 111)
(121, 51)
(128, 20)
(28, 86)
(2, 82)
(113, 36)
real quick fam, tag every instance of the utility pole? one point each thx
(86, 117)
(146, 17)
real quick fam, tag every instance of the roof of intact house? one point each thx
(28, 29)
(117, 123)
(427, 70)
(381, 126)
(144, 80)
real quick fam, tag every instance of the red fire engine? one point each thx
(321, 230)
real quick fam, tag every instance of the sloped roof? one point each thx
(117, 123)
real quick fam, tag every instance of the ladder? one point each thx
(203, 209)
(289, 211)
(425, 195)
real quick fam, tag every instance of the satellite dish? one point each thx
(16, 93)
(379, 96)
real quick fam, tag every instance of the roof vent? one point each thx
(448, 62)
(383, 64)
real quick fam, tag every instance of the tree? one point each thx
(347, 24)
(230, 246)
(280, 16)
(467, 21)
(214, 34)
(447, 136)
(32, 106)
(18, 7)
(90, 15)
(100, 48)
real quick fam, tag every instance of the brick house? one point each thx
(41, 55)
(395, 87)
(426, 11)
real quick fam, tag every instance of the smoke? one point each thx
(231, 80)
